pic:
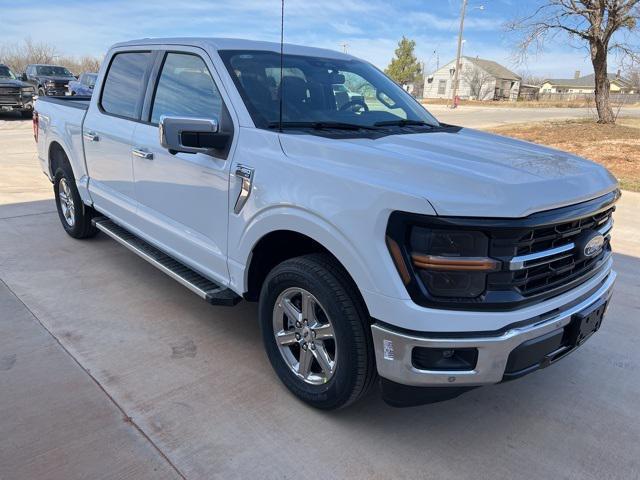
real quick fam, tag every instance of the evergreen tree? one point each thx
(404, 67)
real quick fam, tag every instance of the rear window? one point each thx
(124, 84)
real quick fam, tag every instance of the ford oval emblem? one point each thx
(594, 246)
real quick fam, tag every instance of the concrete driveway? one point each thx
(110, 369)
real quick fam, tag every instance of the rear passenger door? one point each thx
(183, 198)
(108, 131)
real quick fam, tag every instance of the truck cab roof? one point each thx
(218, 43)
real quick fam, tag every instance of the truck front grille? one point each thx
(9, 95)
(556, 269)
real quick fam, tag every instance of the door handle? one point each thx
(142, 153)
(91, 136)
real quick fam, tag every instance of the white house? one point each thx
(586, 84)
(479, 79)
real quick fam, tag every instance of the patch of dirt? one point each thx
(617, 147)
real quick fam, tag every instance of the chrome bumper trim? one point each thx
(393, 349)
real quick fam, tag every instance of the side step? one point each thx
(203, 287)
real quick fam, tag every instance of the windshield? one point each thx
(320, 91)
(5, 72)
(53, 71)
(90, 79)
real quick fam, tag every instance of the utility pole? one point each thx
(456, 74)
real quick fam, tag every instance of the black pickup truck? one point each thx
(15, 94)
(48, 79)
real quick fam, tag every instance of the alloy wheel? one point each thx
(305, 336)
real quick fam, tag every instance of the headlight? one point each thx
(27, 90)
(50, 83)
(451, 263)
(446, 263)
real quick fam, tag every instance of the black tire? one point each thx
(26, 113)
(81, 227)
(41, 92)
(355, 370)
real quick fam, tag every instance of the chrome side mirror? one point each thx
(191, 135)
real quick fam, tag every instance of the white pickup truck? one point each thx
(379, 242)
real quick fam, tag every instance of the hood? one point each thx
(55, 78)
(9, 82)
(462, 173)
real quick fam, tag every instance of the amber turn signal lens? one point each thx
(396, 255)
(433, 262)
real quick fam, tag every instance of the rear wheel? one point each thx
(316, 331)
(74, 215)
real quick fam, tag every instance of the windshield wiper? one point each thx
(321, 125)
(403, 123)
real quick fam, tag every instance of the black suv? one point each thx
(48, 79)
(15, 94)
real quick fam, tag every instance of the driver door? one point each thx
(183, 198)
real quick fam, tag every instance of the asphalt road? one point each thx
(483, 117)
(110, 369)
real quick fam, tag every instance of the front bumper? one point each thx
(394, 349)
(16, 102)
(55, 91)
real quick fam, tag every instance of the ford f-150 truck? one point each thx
(380, 243)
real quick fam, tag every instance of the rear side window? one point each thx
(186, 89)
(124, 85)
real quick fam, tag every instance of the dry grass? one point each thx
(617, 147)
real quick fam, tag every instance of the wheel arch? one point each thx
(279, 245)
(56, 157)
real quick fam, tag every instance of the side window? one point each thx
(124, 85)
(84, 80)
(442, 87)
(185, 89)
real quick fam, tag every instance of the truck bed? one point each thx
(61, 118)
(75, 101)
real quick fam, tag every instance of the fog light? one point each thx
(444, 359)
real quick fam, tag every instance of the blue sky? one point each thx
(371, 28)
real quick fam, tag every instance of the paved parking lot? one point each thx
(109, 369)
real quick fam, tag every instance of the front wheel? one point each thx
(316, 331)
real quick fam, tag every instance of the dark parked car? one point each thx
(48, 79)
(15, 94)
(84, 85)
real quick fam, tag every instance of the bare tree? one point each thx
(600, 25)
(19, 55)
(477, 79)
(529, 78)
(80, 65)
(632, 73)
